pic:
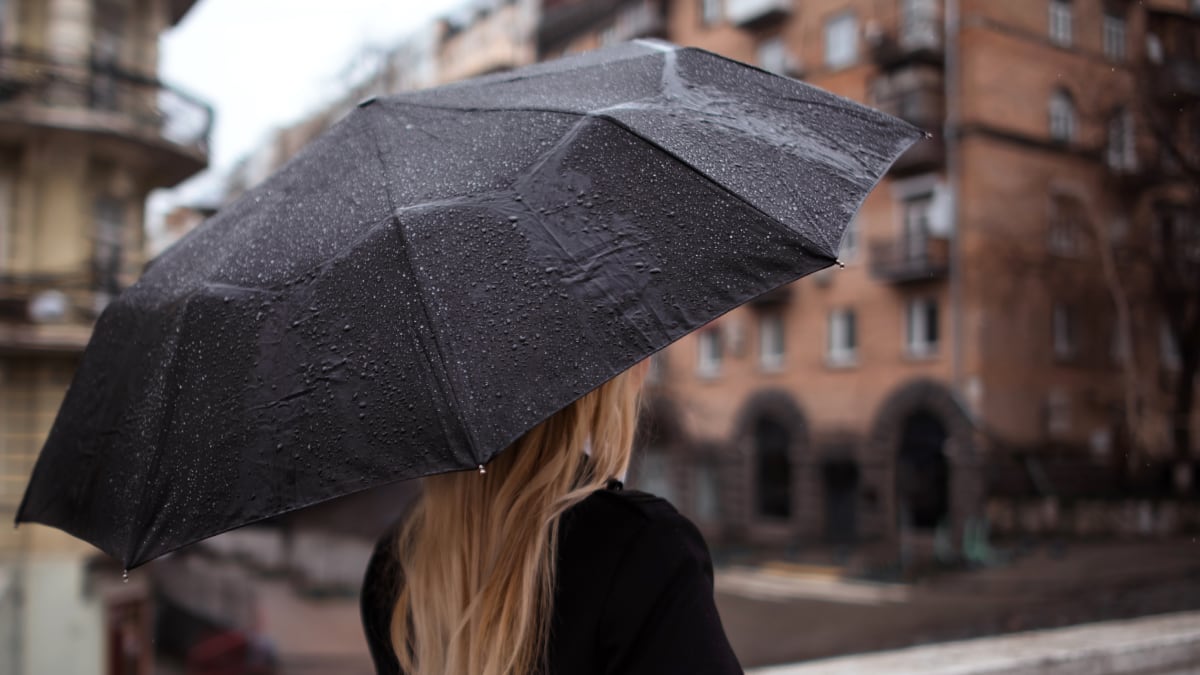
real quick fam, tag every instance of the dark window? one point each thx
(771, 443)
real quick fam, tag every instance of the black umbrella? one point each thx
(437, 274)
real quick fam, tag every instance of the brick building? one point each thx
(968, 358)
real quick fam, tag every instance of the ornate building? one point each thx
(86, 131)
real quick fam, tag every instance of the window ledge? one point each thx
(927, 353)
(842, 362)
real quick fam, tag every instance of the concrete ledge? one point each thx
(1159, 645)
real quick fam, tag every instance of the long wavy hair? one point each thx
(477, 552)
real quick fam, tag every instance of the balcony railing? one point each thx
(903, 261)
(890, 51)
(38, 88)
(1177, 79)
(746, 12)
(915, 95)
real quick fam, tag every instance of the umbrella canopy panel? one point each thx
(439, 273)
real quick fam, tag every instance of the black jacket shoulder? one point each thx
(633, 593)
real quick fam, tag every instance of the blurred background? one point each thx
(985, 421)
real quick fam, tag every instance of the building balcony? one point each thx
(903, 261)
(45, 313)
(916, 46)
(562, 20)
(1177, 79)
(916, 96)
(150, 119)
(751, 12)
(481, 53)
(615, 21)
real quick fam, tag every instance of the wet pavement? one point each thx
(785, 614)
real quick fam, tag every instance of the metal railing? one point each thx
(32, 82)
(900, 260)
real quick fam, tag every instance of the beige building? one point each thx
(86, 131)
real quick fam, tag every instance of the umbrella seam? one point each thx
(808, 245)
(132, 547)
(439, 363)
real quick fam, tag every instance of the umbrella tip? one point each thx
(481, 469)
(366, 102)
(840, 264)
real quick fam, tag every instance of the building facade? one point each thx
(86, 131)
(968, 363)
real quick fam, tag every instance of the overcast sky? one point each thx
(265, 63)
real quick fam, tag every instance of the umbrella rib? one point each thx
(437, 360)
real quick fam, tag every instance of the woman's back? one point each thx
(633, 593)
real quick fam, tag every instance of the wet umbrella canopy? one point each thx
(437, 274)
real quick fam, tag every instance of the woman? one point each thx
(543, 564)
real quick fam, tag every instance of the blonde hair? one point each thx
(477, 554)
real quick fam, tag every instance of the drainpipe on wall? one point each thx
(950, 135)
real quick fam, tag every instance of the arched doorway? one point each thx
(839, 478)
(922, 473)
(773, 469)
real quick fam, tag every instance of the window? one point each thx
(773, 57)
(1066, 222)
(107, 252)
(921, 328)
(710, 353)
(653, 473)
(1062, 117)
(920, 25)
(1154, 48)
(108, 33)
(657, 369)
(1060, 22)
(841, 41)
(770, 341)
(917, 212)
(1114, 37)
(849, 247)
(1058, 413)
(1122, 151)
(843, 338)
(710, 11)
(1066, 334)
(706, 505)
(772, 444)
(1168, 349)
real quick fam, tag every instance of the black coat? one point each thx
(634, 594)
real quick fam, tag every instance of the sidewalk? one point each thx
(1161, 645)
(782, 614)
